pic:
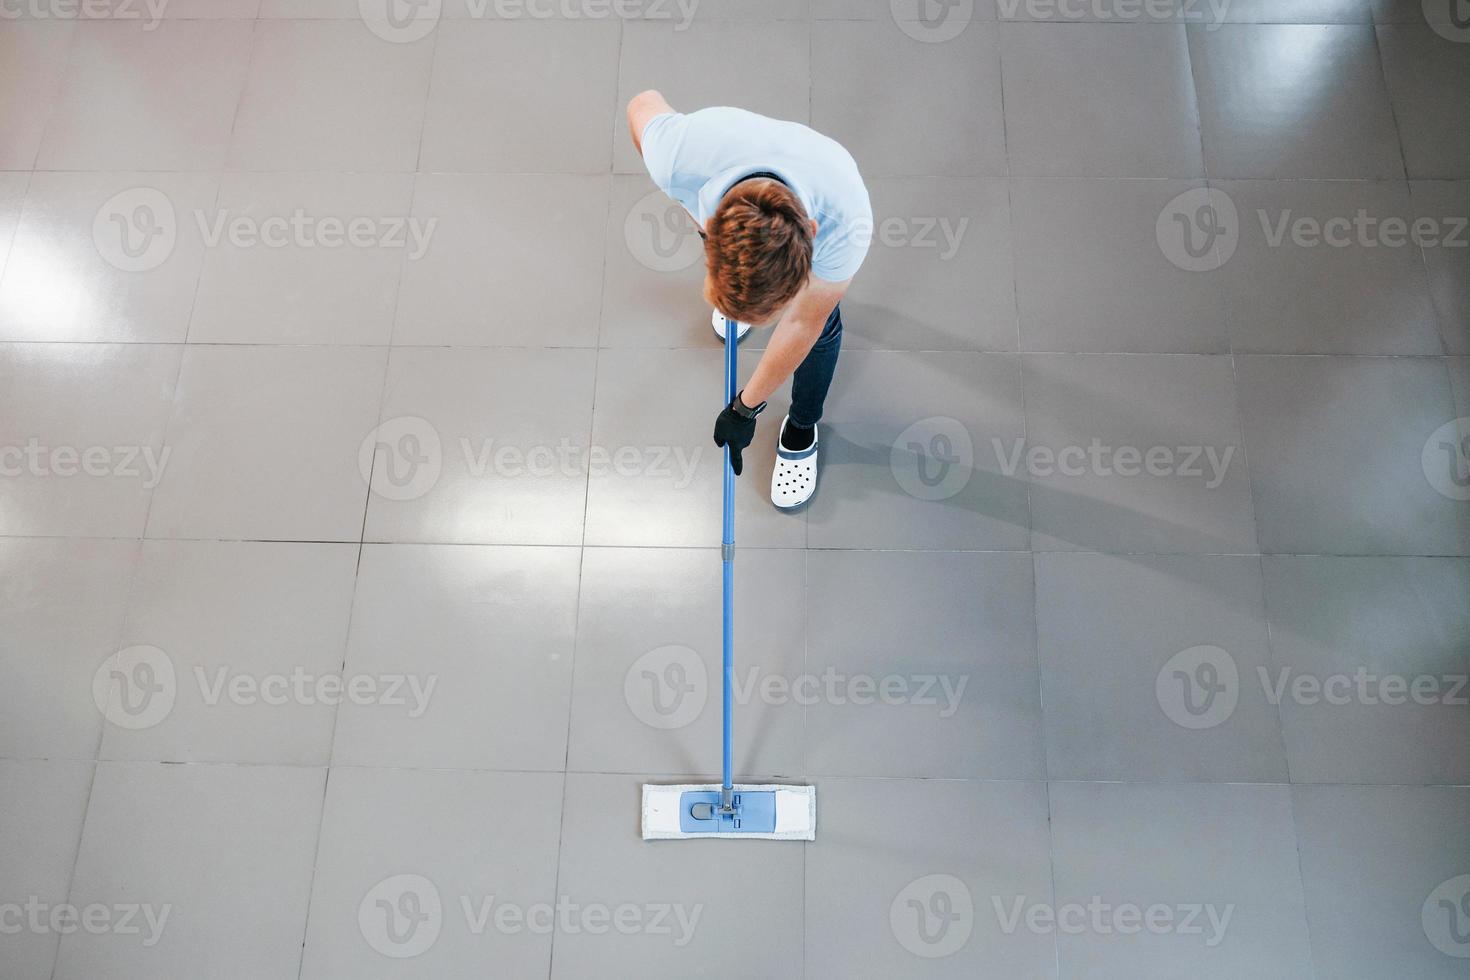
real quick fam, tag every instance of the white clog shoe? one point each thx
(717, 320)
(794, 479)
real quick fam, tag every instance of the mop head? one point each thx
(765, 811)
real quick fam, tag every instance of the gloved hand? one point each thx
(735, 427)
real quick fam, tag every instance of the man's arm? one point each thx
(793, 338)
(641, 108)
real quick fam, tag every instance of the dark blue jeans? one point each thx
(812, 379)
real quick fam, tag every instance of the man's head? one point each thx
(757, 250)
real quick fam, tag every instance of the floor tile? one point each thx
(1338, 454)
(61, 613)
(482, 282)
(1440, 12)
(1093, 273)
(908, 674)
(655, 480)
(188, 829)
(653, 272)
(1428, 78)
(105, 257)
(1122, 693)
(754, 916)
(1379, 646)
(1136, 117)
(184, 81)
(647, 694)
(482, 638)
(907, 459)
(306, 258)
(481, 445)
(251, 635)
(1165, 852)
(937, 22)
(1460, 383)
(1447, 203)
(941, 102)
(475, 122)
(939, 273)
(774, 77)
(1382, 866)
(12, 197)
(212, 9)
(263, 449)
(1299, 12)
(1293, 101)
(1134, 454)
(1326, 267)
(41, 809)
(888, 849)
(82, 426)
(34, 55)
(1116, 12)
(330, 96)
(375, 858)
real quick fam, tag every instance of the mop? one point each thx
(766, 811)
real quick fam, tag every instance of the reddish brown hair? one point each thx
(758, 250)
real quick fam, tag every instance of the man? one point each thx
(786, 224)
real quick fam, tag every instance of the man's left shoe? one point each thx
(794, 479)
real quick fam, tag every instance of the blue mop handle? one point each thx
(727, 556)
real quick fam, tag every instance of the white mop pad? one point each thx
(796, 811)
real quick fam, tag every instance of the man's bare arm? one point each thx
(641, 108)
(793, 338)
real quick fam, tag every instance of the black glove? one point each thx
(735, 427)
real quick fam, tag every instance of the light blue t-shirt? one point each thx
(695, 158)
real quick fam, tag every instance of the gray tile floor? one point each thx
(357, 512)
